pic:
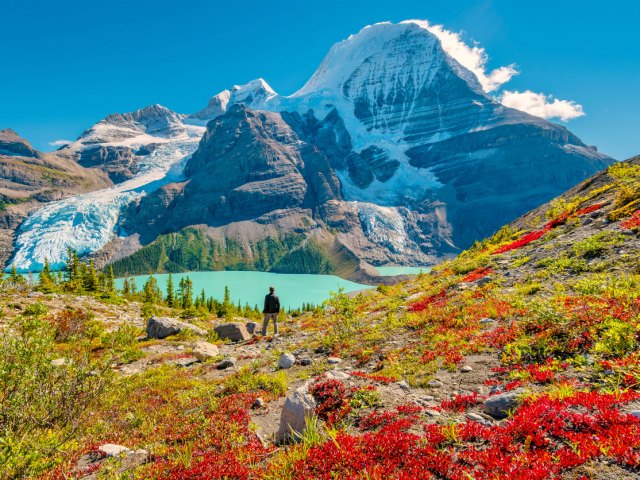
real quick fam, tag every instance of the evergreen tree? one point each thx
(111, 281)
(15, 276)
(187, 298)
(46, 283)
(126, 289)
(170, 298)
(227, 306)
(150, 292)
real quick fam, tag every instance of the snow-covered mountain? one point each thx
(425, 159)
(159, 141)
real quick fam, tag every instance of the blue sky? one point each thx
(67, 64)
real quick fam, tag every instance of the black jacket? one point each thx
(271, 304)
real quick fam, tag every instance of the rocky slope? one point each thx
(517, 359)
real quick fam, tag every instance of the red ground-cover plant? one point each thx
(460, 403)
(332, 398)
(632, 222)
(544, 438)
(477, 274)
(225, 445)
(550, 225)
(419, 306)
(522, 241)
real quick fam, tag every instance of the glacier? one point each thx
(87, 222)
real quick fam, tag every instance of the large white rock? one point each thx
(298, 407)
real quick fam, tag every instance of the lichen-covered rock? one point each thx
(233, 331)
(162, 327)
(498, 406)
(298, 407)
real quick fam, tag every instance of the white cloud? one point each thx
(60, 143)
(473, 58)
(542, 105)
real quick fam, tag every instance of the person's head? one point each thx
(272, 289)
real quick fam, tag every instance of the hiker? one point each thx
(271, 310)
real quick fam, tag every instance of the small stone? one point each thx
(466, 369)
(226, 363)
(487, 320)
(428, 398)
(608, 372)
(403, 385)
(434, 384)
(60, 362)
(306, 362)
(186, 361)
(112, 450)
(432, 413)
(287, 360)
(337, 375)
(474, 417)
(636, 413)
(258, 403)
(333, 360)
(321, 350)
(498, 406)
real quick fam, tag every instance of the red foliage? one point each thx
(332, 398)
(460, 403)
(477, 274)
(536, 234)
(419, 306)
(521, 242)
(544, 438)
(587, 210)
(632, 222)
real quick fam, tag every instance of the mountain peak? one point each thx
(254, 94)
(13, 144)
(402, 51)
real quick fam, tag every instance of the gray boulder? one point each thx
(287, 360)
(162, 327)
(233, 331)
(498, 406)
(204, 350)
(298, 406)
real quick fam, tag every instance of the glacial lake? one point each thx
(251, 287)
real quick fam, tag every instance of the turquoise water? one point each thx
(251, 287)
(391, 271)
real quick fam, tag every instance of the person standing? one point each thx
(271, 310)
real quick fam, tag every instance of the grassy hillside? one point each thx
(543, 317)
